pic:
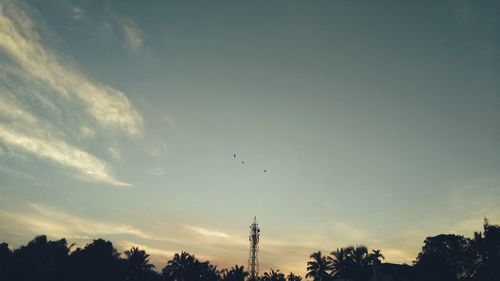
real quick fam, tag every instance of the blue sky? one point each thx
(378, 124)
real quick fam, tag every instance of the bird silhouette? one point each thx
(234, 155)
(265, 171)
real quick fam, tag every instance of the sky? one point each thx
(378, 123)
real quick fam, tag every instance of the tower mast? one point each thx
(253, 260)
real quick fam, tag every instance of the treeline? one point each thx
(444, 257)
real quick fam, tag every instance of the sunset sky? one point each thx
(378, 123)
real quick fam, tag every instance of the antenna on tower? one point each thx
(253, 260)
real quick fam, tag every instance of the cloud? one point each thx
(58, 223)
(115, 153)
(346, 230)
(208, 232)
(87, 132)
(21, 130)
(9, 109)
(21, 42)
(149, 250)
(35, 120)
(398, 255)
(77, 13)
(133, 37)
(90, 167)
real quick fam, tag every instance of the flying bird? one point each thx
(242, 162)
(234, 155)
(265, 171)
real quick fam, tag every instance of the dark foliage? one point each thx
(444, 257)
(452, 257)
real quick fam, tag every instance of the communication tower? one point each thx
(253, 259)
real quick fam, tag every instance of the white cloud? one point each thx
(77, 13)
(12, 111)
(46, 147)
(41, 78)
(21, 42)
(208, 232)
(58, 223)
(23, 131)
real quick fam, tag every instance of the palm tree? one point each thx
(182, 267)
(293, 277)
(341, 261)
(319, 268)
(138, 260)
(208, 272)
(360, 255)
(236, 273)
(273, 276)
(375, 256)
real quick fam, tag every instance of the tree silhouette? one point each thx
(41, 259)
(181, 268)
(319, 268)
(359, 256)
(486, 247)
(186, 267)
(99, 260)
(5, 262)
(138, 266)
(375, 256)
(236, 273)
(208, 272)
(273, 276)
(445, 257)
(341, 262)
(293, 277)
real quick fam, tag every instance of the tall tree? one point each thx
(98, 261)
(182, 267)
(293, 277)
(443, 257)
(5, 262)
(375, 256)
(273, 276)
(236, 273)
(486, 246)
(41, 259)
(138, 266)
(208, 272)
(341, 261)
(319, 267)
(359, 256)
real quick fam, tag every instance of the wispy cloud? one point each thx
(208, 232)
(9, 109)
(90, 167)
(77, 13)
(20, 40)
(57, 223)
(87, 132)
(149, 249)
(33, 114)
(346, 230)
(23, 131)
(115, 153)
(133, 35)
